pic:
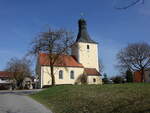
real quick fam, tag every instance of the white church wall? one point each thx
(46, 79)
(91, 80)
(88, 57)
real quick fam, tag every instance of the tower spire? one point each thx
(83, 35)
(82, 15)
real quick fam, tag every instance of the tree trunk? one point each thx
(142, 75)
(52, 75)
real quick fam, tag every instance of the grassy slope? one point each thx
(121, 98)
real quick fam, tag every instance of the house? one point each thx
(7, 81)
(138, 76)
(28, 82)
(82, 63)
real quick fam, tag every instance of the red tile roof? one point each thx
(4, 74)
(62, 61)
(91, 71)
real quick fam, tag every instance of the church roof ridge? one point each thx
(63, 61)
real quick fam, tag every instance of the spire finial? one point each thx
(82, 15)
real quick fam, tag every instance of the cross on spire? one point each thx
(83, 35)
(82, 15)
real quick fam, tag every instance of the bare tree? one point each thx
(135, 57)
(128, 3)
(19, 69)
(101, 66)
(53, 43)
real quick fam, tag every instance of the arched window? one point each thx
(72, 74)
(94, 80)
(60, 74)
(88, 47)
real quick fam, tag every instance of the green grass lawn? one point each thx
(116, 98)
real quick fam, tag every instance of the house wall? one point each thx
(138, 76)
(147, 76)
(87, 57)
(97, 78)
(4, 80)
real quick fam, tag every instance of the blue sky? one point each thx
(22, 20)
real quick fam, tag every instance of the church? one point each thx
(81, 66)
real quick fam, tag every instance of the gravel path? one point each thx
(13, 103)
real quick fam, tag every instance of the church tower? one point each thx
(85, 49)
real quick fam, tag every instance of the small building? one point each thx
(83, 63)
(28, 82)
(5, 82)
(138, 76)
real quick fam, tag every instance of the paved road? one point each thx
(18, 102)
(20, 92)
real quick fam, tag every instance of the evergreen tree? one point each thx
(105, 79)
(129, 76)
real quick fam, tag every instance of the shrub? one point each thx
(118, 79)
(129, 76)
(105, 79)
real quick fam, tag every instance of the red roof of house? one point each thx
(63, 60)
(4, 74)
(91, 71)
